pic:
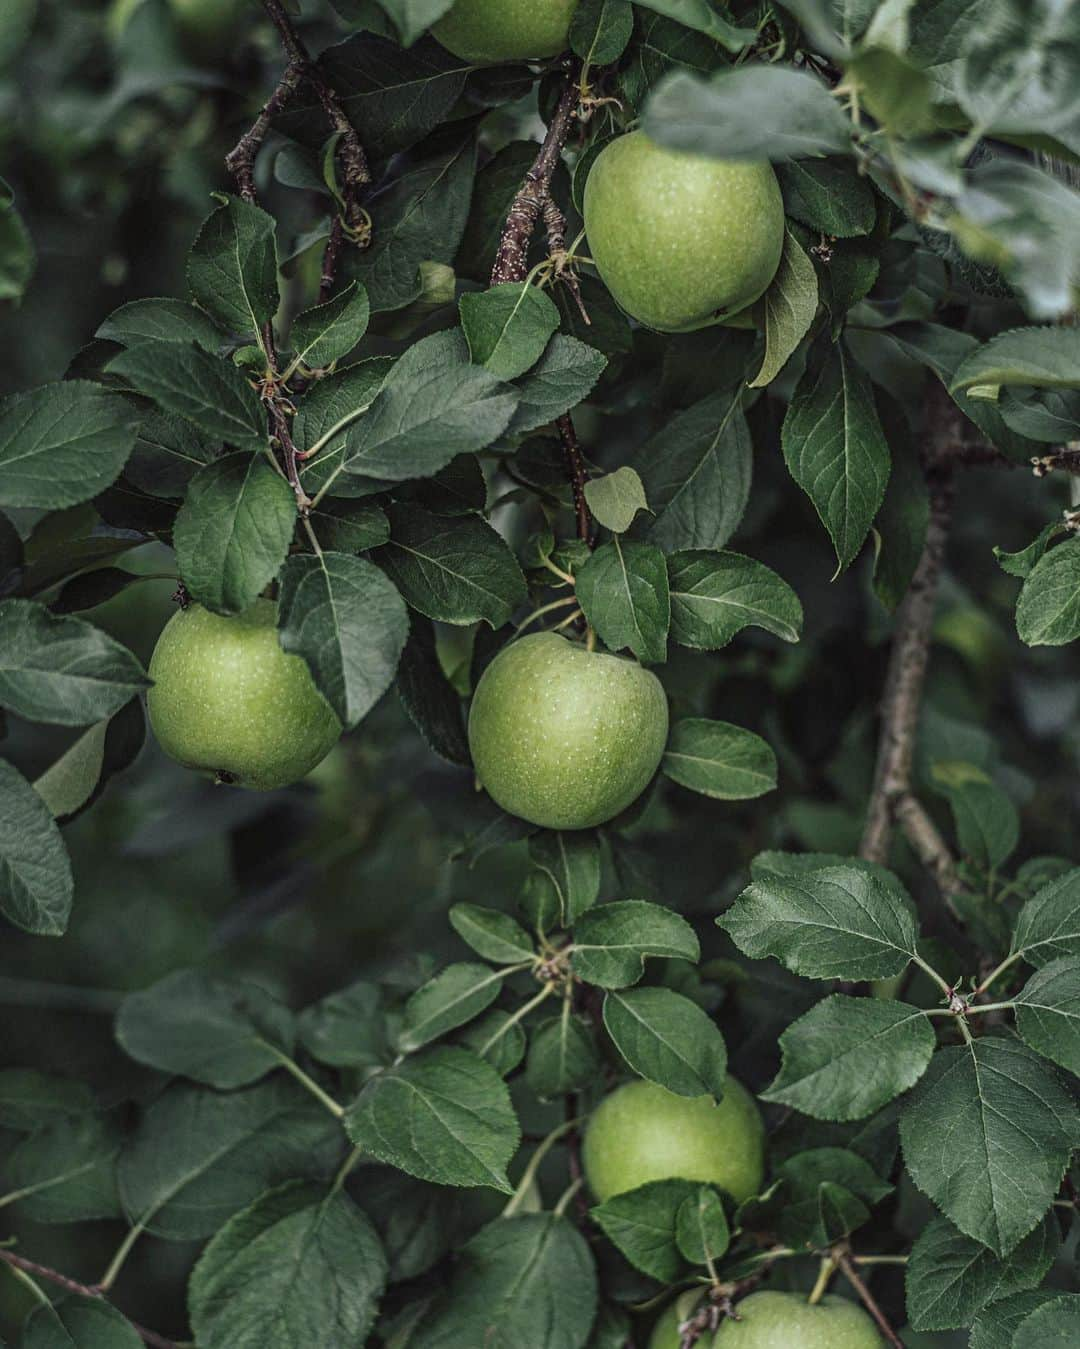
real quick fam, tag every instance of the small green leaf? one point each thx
(615, 499)
(667, 1039)
(643, 1223)
(455, 995)
(623, 589)
(612, 940)
(714, 595)
(232, 268)
(329, 331)
(570, 865)
(701, 1227)
(719, 760)
(600, 30)
(562, 1056)
(36, 884)
(491, 934)
(563, 376)
(788, 308)
(508, 326)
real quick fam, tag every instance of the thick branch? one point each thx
(847, 1265)
(240, 161)
(83, 1290)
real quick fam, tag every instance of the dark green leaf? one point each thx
(600, 30)
(456, 995)
(623, 589)
(1048, 1012)
(701, 1227)
(562, 1056)
(787, 310)
(491, 934)
(563, 376)
(73, 1161)
(432, 702)
(714, 595)
(611, 941)
(667, 1039)
(79, 1323)
(232, 268)
(159, 320)
(508, 326)
(329, 331)
(36, 885)
(1048, 610)
(728, 763)
(643, 1223)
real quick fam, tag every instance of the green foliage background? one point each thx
(112, 144)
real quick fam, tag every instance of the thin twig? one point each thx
(54, 1276)
(575, 468)
(847, 1266)
(240, 161)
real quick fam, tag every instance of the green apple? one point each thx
(642, 1132)
(229, 701)
(487, 31)
(565, 737)
(776, 1321)
(679, 240)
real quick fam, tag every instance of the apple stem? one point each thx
(824, 1278)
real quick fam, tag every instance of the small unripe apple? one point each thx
(227, 700)
(488, 31)
(565, 737)
(681, 241)
(643, 1132)
(770, 1320)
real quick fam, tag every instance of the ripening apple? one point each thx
(770, 1320)
(488, 31)
(565, 737)
(642, 1132)
(227, 700)
(681, 241)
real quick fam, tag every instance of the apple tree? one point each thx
(538, 592)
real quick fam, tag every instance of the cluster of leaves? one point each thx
(356, 455)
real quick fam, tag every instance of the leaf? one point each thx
(987, 822)
(419, 217)
(197, 1156)
(1049, 1326)
(600, 30)
(950, 1278)
(1048, 925)
(18, 259)
(696, 473)
(828, 1194)
(901, 523)
(667, 1039)
(623, 589)
(412, 18)
(751, 112)
(1048, 610)
(528, 1281)
(491, 934)
(160, 320)
(835, 448)
(701, 1227)
(168, 452)
(508, 326)
(615, 499)
(562, 1056)
(327, 410)
(788, 308)
(36, 885)
(60, 669)
(1015, 1127)
(455, 995)
(612, 940)
(299, 1266)
(346, 1029)
(1048, 1012)
(233, 531)
(642, 1223)
(828, 195)
(453, 569)
(431, 701)
(433, 406)
(564, 376)
(232, 268)
(348, 623)
(62, 443)
(444, 1116)
(327, 332)
(71, 1164)
(78, 1323)
(848, 1057)
(208, 392)
(702, 16)
(216, 1031)
(30, 1100)
(1040, 358)
(715, 594)
(497, 1038)
(570, 863)
(832, 923)
(994, 1327)
(719, 760)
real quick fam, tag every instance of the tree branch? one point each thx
(150, 1337)
(847, 1265)
(891, 798)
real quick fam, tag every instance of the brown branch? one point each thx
(240, 161)
(150, 1337)
(847, 1265)
(575, 468)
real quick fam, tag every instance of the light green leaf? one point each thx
(728, 763)
(456, 995)
(615, 499)
(1048, 610)
(494, 935)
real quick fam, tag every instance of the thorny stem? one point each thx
(847, 1265)
(512, 260)
(21, 1265)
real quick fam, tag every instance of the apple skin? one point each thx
(643, 1132)
(679, 240)
(488, 31)
(564, 737)
(228, 700)
(777, 1321)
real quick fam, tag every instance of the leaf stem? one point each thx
(928, 969)
(14, 1196)
(567, 1195)
(116, 1264)
(529, 1175)
(345, 1167)
(291, 1066)
(991, 1007)
(512, 1020)
(997, 972)
(825, 1272)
